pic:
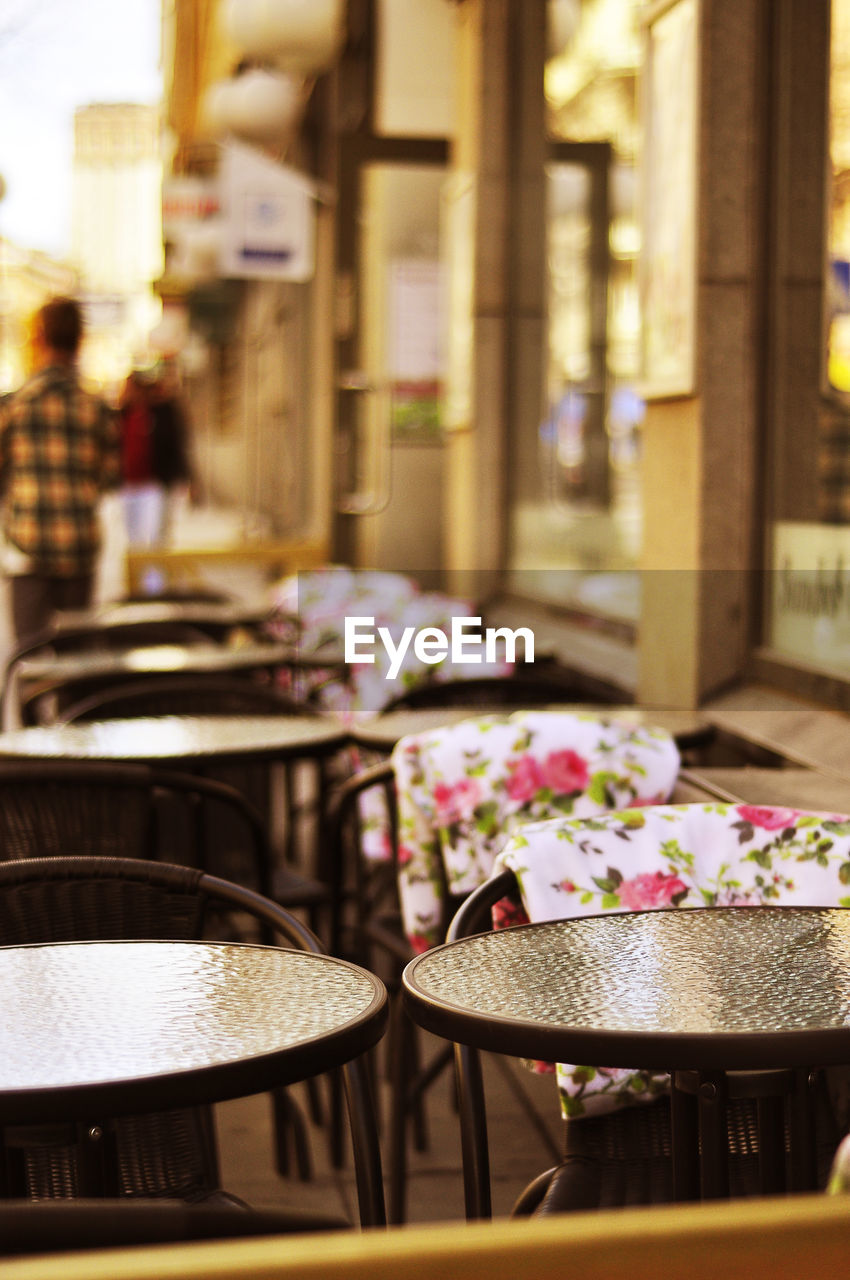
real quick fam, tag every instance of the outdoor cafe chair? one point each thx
(454, 795)
(690, 856)
(56, 808)
(223, 695)
(20, 704)
(154, 1155)
(540, 685)
(178, 693)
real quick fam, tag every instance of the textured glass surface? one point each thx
(170, 737)
(736, 971)
(89, 1012)
(160, 657)
(224, 614)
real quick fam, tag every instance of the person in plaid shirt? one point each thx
(58, 453)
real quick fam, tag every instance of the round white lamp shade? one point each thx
(259, 105)
(302, 36)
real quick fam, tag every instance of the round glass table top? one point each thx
(727, 987)
(87, 1014)
(152, 659)
(174, 737)
(131, 613)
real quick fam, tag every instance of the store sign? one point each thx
(187, 200)
(810, 593)
(268, 217)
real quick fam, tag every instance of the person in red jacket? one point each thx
(154, 456)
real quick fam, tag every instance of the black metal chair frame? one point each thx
(531, 687)
(215, 694)
(116, 636)
(199, 897)
(200, 793)
(179, 693)
(366, 918)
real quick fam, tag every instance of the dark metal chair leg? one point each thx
(400, 1066)
(713, 1155)
(684, 1126)
(367, 1151)
(289, 1124)
(771, 1139)
(473, 1132)
(804, 1165)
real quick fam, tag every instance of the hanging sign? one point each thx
(268, 213)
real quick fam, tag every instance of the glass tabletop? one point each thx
(151, 659)
(89, 1016)
(227, 613)
(175, 738)
(721, 987)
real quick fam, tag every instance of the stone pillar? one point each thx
(700, 451)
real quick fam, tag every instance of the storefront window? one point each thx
(575, 524)
(808, 621)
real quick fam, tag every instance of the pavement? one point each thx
(525, 1135)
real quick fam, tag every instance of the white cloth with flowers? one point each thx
(690, 855)
(464, 788)
(320, 600)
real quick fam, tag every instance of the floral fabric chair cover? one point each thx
(464, 788)
(690, 855)
(321, 599)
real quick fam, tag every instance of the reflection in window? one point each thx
(576, 524)
(809, 555)
(838, 285)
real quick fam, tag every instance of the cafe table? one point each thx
(86, 669)
(217, 619)
(185, 739)
(93, 1030)
(155, 659)
(197, 743)
(726, 999)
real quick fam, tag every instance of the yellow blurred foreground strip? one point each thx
(794, 1238)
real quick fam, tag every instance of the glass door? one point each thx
(390, 384)
(575, 516)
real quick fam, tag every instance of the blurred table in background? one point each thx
(216, 620)
(382, 732)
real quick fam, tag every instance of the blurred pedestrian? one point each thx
(58, 454)
(171, 453)
(154, 456)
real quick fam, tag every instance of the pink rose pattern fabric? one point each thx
(310, 608)
(692, 855)
(316, 604)
(463, 789)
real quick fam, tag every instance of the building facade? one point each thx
(575, 338)
(116, 230)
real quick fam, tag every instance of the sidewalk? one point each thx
(525, 1134)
